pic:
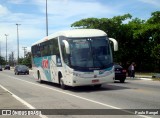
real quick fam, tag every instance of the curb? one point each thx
(139, 78)
(148, 79)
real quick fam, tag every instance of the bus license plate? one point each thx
(95, 81)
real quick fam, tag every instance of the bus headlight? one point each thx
(76, 74)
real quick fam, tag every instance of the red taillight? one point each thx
(124, 71)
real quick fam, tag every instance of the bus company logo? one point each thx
(45, 63)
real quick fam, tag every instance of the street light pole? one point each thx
(17, 44)
(0, 48)
(6, 47)
(46, 20)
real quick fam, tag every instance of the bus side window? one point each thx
(51, 49)
(36, 51)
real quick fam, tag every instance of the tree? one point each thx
(27, 60)
(156, 52)
(148, 36)
(155, 19)
(2, 61)
(20, 60)
(156, 55)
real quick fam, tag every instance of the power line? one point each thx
(25, 50)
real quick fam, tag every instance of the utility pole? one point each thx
(12, 58)
(46, 20)
(6, 47)
(0, 48)
(17, 44)
(24, 48)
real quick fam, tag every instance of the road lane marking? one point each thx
(83, 98)
(21, 100)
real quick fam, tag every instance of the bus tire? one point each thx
(97, 86)
(122, 80)
(39, 77)
(62, 85)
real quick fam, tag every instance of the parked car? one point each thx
(21, 69)
(120, 73)
(7, 67)
(0, 68)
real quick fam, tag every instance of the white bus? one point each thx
(75, 57)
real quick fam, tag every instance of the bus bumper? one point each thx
(78, 81)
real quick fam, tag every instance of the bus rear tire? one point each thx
(39, 77)
(97, 86)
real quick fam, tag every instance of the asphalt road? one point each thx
(133, 94)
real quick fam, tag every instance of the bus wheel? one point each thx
(39, 77)
(63, 86)
(97, 86)
(122, 80)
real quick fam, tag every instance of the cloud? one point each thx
(27, 36)
(152, 2)
(30, 31)
(74, 8)
(3, 11)
(16, 1)
(62, 13)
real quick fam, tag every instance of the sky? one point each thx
(31, 15)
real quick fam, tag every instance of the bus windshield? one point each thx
(91, 53)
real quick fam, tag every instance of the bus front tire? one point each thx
(63, 86)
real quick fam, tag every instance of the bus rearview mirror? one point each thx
(115, 44)
(66, 46)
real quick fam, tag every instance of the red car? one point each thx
(120, 73)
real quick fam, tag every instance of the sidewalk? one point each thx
(141, 77)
